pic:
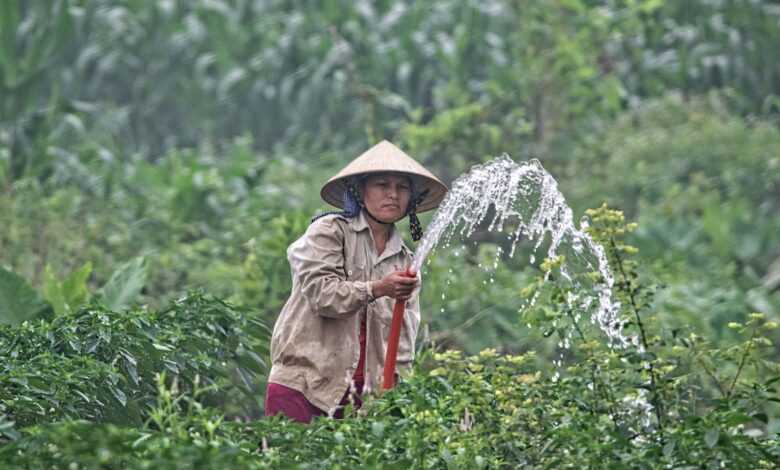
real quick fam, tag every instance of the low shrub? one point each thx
(100, 365)
(670, 399)
(483, 411)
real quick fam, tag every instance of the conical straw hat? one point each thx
(384, 157)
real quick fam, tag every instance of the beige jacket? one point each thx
(315, 346)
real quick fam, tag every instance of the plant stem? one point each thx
(632, 297)
(712, 376)
(597, 384)
(742, 362)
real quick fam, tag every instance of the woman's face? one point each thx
(386, 196)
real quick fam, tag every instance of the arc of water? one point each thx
(526, 194)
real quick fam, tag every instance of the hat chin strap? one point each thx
(411, 211)
(414, 223)
(374, 218)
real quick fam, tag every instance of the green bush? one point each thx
(99, 364)
(703, 185)
(674, 400)
(484, 411)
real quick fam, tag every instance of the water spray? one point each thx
(526, 194)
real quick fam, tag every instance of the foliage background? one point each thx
(147, 148)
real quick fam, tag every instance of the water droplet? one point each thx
(527, 205)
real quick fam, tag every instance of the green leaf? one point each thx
(761, 417)
(246, 377)
(668, 449)
(68, 295)
(52, 291)
(18, 300)
(378, 429)
(9, 22)
(74, 288)
(7, 428)
(119, 395)
(772, 380)
(125, 284)
(140, 440)
(250, 360)
(132, 371)
(738, 418)
(574, 5)
(711, 437)
(649, 6)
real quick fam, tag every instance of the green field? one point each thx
(158, 157)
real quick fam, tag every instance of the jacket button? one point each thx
(349, 272)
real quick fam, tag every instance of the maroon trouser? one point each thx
(294, 405)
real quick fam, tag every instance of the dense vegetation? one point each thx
(151, 148)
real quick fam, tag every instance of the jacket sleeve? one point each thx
(317, 263)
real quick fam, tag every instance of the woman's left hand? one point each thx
(397, 285)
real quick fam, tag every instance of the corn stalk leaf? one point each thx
(9, 21)
(18, 300)
(125, 284)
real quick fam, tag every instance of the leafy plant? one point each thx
(125, 284)
(99, 364)
(18, 301)
(482, 411)
(69, 294)
(672, 379)
(672, 399)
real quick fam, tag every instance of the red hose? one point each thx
(392, 341)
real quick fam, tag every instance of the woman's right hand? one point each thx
(397, 285)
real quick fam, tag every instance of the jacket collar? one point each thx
(394, 244)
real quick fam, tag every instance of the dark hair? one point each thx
(350, 201)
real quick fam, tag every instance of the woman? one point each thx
(328, 345)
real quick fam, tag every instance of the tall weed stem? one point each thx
(631, 292)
